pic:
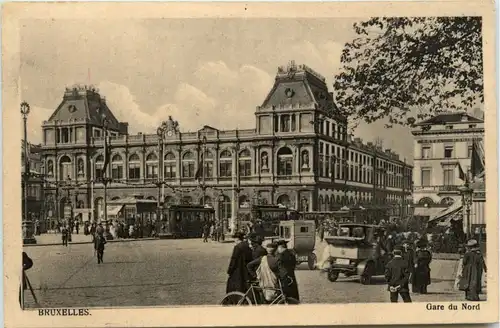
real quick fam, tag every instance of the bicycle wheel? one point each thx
(288, 301)
(235, 299)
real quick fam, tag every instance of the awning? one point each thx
(427, 211)
(454, 216)
(450, 210)
(114, 209)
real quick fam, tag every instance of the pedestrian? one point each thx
(255, 243)
(422, 272)
(289, 263)
(64, 236)
(206, 232)
(212, 232)
(409, 256)
(269, 271)
(77, 227)
(99, 243)
(397, 276)
(237, 269)
(321, 232)
(27, 264)
(472, 272)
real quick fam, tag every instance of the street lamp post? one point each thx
(466, 192)
(27, 224)
(222, 217)
(162, 129)
(105, 179)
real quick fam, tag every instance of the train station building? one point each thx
(298, 155)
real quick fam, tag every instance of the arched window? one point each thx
(170, 167)
(245, 163)
(187, 200)
(447, 201)
(226, 208)
(244, 202)
(152, 166)
(208, 161)
(65, 168)
(134, 167)
(426, 201)
(327, 203)
(117, 167)
(285, 161)
(188, 165)
(99, 164)
(169, 200)
(206, 201)
(332, 202)
(284, 200)
(338, 200)
(226, 163)
(320, 203)
(99, 206)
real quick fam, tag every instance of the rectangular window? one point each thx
(209, 170)
(170, 171)
(327, 129)
(321, 161)
(188, 169)
(425, 177)
(134, 171)
(448, 177)
(285, 166)
(304, 229)
(225, 169)
(448, 151)
(327, 167)
(117, 171)
(426, 152)
(334, 131)
(293, 123)
(98, 172)
(151, 171)
(285, 123)
(469, 152)
(245, 168)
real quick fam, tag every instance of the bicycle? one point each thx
(255, 296)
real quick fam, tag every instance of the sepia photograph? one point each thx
(251, 161)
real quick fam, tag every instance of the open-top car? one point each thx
(355, 251)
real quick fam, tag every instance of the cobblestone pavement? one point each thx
(174, 272)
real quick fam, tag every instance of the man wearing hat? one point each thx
(472, 272)
(237, 269)
(289, 262)
(409, 255)
(256, 245)
(397, 276)
(422, 272)
(271, 270)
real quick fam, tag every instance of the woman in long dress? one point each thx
(422, 272)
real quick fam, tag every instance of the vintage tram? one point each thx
(184, 221)
(265, 218)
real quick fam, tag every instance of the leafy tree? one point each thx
(405, 69)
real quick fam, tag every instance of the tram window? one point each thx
(281, 232)
(304, 229)
(287, 233)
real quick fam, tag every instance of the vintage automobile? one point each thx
(354, 251)
(301, 238)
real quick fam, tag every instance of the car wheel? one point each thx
(332, 275)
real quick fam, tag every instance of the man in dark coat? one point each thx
(64, 236)
(473, 266)
(27, 264)
(422, 272)
(409, 256)
(397, 276)
(289, 262)
(256, 246)
(237, 270)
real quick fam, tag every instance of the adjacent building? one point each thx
(34, 180)
(444, 148)
(299, 155)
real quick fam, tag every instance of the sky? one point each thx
(200, 71)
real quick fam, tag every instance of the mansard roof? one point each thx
(450, 118)
(84, 103)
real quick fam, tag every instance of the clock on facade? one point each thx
(289, 92)
(170, 133)
(72, 108)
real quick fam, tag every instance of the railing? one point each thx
(438, 188)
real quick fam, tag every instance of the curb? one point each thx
(90, 242)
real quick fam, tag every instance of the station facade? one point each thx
(298, 155)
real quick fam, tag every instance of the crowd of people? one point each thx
(271, 266)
